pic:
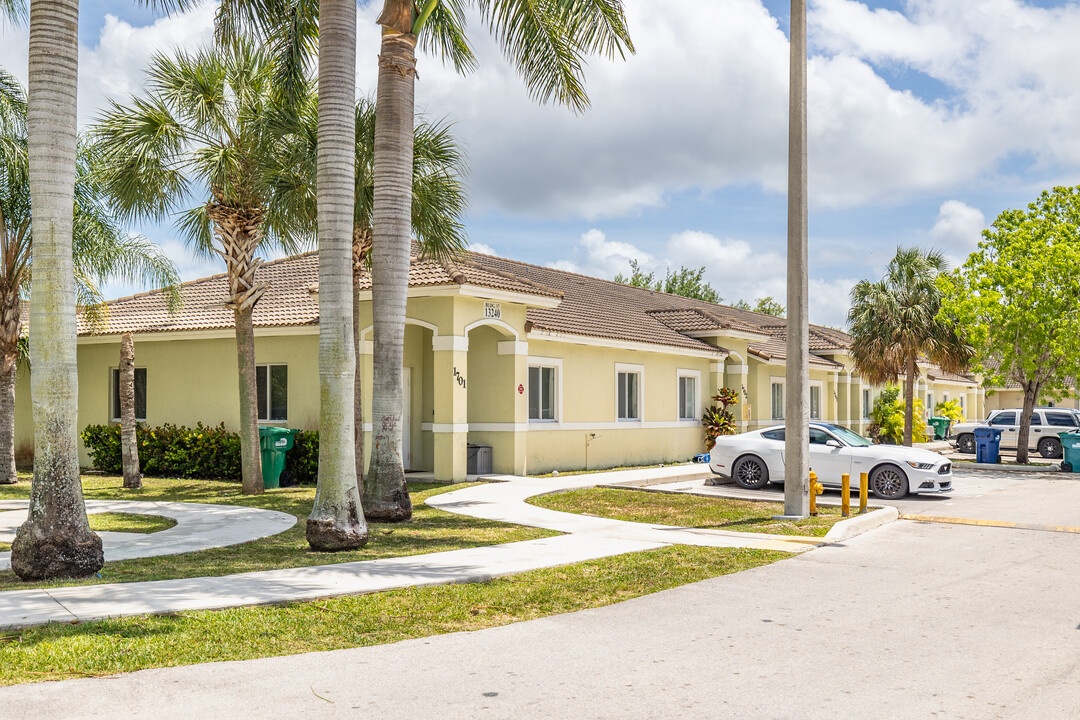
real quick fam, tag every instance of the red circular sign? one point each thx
(521, 389)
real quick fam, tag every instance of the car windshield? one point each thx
(849, 436)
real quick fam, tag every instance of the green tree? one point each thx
(1018, 298)
(638, 278)
(897, 321)
(101, 250)
(765, 306)
(210, 122)
(685, 282)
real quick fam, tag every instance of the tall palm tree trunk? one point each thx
(909, 400)
(386, 497)
(55, 540)
(251, 481)
(129, 446)
(10, 328)
(337, 518)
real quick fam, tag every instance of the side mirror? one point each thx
(833, 443)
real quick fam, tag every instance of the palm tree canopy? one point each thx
(548, 42)
(210, 122)
(101, 249)
(895, 321)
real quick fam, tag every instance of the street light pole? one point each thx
(797, 395)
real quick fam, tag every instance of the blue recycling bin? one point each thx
(987, 445)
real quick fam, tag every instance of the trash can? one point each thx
(274, 443)
(987, 445)
(1070, 451)
(478, 461)
(941, 427)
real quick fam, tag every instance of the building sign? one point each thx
(493, 311)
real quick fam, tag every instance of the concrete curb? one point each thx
(995, 467)
(857, 525)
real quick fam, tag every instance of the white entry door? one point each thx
(406, 417)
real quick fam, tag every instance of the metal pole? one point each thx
(797, 400)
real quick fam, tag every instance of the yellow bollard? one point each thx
(816, 489)
(864, 486)
(845, 491)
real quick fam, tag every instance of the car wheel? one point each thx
(751, 472)
(888, 482)
(1050, 448)
(966, 443)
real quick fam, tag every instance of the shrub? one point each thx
(950, 409)
(887, 418)
(169, 450)
(302, 461)
(718, 420)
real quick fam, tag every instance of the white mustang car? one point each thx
(754, 459)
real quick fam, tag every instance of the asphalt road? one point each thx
(913, 620)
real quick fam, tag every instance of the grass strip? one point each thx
(60, 651)
(129, 522)
(682, 510)
(429, 531)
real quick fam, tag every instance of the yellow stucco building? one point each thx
(551, 369)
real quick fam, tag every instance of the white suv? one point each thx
(1046, 423)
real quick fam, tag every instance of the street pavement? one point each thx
(911, 620)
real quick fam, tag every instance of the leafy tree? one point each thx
(765, 306)
(897, 321)
(685, 282)
(1018, 298)
(210, 124)
(888, 418)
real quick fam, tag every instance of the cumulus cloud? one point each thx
(596, 255)
(958, 230)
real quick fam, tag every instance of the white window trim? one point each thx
(821, 399)
(113, 381)
(783, 397)
(557, 363)
(262, 421)
(638, 370)
(696, 374)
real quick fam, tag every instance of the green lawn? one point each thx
(429, 531)
(129, 522)
(687, 511)
(61, 651)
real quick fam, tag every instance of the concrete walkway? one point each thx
(588, 538)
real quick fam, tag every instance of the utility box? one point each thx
(479, 460)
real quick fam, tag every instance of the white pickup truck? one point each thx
(1046, 423)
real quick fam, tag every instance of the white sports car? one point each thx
(754, 459)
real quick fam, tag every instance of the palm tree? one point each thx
(438, 203)
(895, 322)
(100, 250)
(210, 124)
(547, 42)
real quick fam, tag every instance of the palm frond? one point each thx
(445, 36)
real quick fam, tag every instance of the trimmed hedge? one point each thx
(199, 452)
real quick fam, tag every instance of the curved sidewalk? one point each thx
(588, 539)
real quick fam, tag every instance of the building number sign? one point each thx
(459, 377)
(492, 311)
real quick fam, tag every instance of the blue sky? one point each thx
(927, 119)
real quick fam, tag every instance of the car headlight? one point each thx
(921, 466)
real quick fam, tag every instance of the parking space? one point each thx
(1027, 499)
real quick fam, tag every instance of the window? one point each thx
(688, 396)
(1004, 419)
(961, 399)
(140, 394)
(629, 391)
(777, 401)
(929, 403)
(866, 403)
(819, 436)
(777, 434)
(542, 392)
(815, 401)
(1060, 419)
(272, 387)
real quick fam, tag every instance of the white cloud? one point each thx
(958, 230)
(482, 248)
(597, 256)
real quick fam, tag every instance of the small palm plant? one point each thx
(950, 409)
(718, 420)
(206, 144)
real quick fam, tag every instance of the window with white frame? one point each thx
(929, 402)
(542, 392)
(628, 391)
(815, 401)
(961, 399)
(140, 395)
(688, 395)
(272, 387)
(778, 401)
(866, 403)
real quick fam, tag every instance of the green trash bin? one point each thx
(274, 443)
(941, 427)
(1070, 451)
